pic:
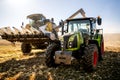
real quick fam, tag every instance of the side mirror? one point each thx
(62, 25)
(99, 20)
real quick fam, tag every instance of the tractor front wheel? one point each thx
(50, 52)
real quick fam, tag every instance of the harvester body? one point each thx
(33, 34)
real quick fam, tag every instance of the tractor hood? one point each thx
(71, 41)
(65, 36)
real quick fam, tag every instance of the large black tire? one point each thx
(101, 49)
(25, 48)
(50, 52)
(90, 57)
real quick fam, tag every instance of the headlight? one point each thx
(62, 44)
(70, 44)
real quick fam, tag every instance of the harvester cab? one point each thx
(78, 42)
(36, 20)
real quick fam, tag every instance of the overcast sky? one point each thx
(14, 12)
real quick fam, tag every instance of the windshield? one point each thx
(81, 25)
(36, 23)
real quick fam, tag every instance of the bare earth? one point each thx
(15, 66)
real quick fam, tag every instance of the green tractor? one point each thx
(80, 41)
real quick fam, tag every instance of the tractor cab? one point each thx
(86, 26)
(79, 31)
(78, 25)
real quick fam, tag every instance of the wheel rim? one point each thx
(95, 58)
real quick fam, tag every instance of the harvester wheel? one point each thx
(26, 48)
(90, 57)
(50, 52)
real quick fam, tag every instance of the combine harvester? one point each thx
(33, 34)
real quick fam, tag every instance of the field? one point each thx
(15, 66)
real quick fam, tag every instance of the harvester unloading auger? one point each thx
(33, 34)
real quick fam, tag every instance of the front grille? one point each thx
(74, 42)
(66, 38)
(66, 43)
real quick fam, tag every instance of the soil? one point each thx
(15, 66)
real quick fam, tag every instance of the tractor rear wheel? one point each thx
(26, 48)
(90, 58)
(50, 52)
(101, 51)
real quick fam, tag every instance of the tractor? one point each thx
(80, 41)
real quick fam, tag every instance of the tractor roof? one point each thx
(87, 18)
(36, 16)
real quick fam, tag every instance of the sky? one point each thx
(14, 12)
